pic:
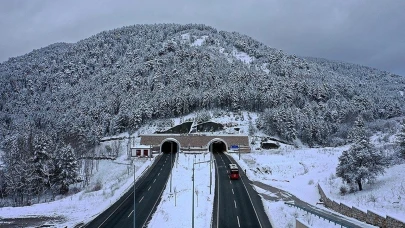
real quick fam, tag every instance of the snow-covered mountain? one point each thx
(118, 80)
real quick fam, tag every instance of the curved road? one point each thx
(149, 189)
(236, 203)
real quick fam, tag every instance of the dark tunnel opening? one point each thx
(218, 147)
(170, 146)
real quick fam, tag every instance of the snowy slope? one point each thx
(296, 170)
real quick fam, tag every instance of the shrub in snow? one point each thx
(343, 190)
(97, 186)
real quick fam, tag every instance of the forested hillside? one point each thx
(117, 80)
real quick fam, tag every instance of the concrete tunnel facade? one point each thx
(195, 143)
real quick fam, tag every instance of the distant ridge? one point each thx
(118, 80)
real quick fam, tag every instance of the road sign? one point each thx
(234, 147)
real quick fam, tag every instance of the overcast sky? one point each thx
(367, 32)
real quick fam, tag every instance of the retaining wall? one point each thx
(367, 217)
(299, 224)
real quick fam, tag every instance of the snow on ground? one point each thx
(175, 209)
(295, 170)
(185, 36)
(283, 216)
(299, 170)
(199, 41)
(242, 56)
(386, 196)
(115, 177)
(263, 67)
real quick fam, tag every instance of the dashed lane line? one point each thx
(131, 213)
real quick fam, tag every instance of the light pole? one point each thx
(239, 151)
(210, 172)
(192, 210)
(171, 162)
(134, 190)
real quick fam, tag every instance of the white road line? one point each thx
(144, 196)
(149, 187)
(158, 174)
(238, 220)
(233, 201)
(154, 205)
(116, 210)
(233, 192)
(216, 170)
(230, 181)
(154, 181)
(131, 213)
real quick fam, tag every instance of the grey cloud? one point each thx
(367, 32)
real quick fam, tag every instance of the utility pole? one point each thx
(210, 172)
(239, 150)
(134, 190)
(192, 211)
(171, 162)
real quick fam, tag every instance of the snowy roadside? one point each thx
(175, 208)
(299, 170)
(115, 177)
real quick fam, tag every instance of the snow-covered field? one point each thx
(175, 209)
(386, 196)
(296, 170)
(299, 170)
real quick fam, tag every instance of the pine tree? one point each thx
(358, 132)
(401, 139)
(18, 170)
(42, 163)
(66, 170)
(362, 161)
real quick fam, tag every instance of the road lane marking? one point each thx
(144, 196)
(131, 213)
(149, 187)
(158, 174)
(233, 192)
(154, 181)
(116, 209)
(238, 220)
(154, 205)
(233, 201)
(230, 181)
(217, 179)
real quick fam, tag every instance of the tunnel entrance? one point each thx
(169, 146)
(217, 147)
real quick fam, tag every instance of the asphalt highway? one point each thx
(236, 203)
(149, 189)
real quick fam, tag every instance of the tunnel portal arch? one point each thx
(217, 145)
(170, 144)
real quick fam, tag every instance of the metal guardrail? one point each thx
(314, 212)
